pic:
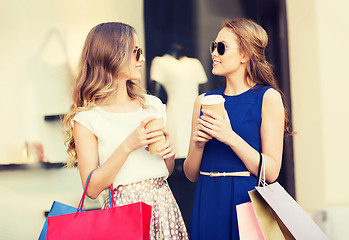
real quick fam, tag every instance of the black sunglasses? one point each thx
(138, 53)
(220, 47)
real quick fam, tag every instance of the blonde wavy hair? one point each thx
(107, 46)
(253, 40)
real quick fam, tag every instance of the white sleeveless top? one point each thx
(111, 129)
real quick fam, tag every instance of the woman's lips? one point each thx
(215, 63)
(139, 67)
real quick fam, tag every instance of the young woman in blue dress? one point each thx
(224, 152)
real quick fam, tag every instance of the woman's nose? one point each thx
(141, 59)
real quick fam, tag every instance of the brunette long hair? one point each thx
(106, 47)
(253, 40)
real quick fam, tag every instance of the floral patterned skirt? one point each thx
(166, 220)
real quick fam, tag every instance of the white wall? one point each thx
(318, 33)
(40, 46)
(333, 35)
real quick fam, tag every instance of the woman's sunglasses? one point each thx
(138, 53)
(220, 47)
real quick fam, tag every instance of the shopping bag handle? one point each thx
(260, 179)
(81, 204)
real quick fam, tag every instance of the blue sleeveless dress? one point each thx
(214, 208)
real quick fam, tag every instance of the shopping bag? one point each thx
(266, 218)
(57, 208)
(130, 221)
(249, 227)
(293, 221)
(125, 222)
(294, 218)
(255, 218)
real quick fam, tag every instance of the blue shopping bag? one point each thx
(56, 209)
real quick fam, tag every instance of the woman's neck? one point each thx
(237, 84)
(120, 101)
(120, 96)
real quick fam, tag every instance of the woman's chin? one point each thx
(216, 72)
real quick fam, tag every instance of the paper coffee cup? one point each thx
(214, 103)
(159, 120)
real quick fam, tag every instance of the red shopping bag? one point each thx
(249, 227)
(130, 221)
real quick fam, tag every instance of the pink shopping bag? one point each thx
(249, 227)
(128, 222)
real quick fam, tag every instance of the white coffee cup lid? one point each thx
(212, 99)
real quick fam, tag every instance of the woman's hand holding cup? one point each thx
(143, 136)
(156, 127)
(215, 121)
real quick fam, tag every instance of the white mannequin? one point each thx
(181, 78)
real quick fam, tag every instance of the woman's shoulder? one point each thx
(272, 95)
(263, 88)
(269, 98)
(155, 105)
(88, 118)
(87, 113)
(259, 92)
(267, 91)
(151, 99)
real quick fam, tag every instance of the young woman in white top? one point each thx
(105, 129)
